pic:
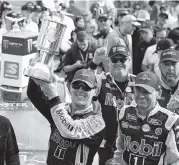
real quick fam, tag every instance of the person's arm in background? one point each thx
(12, 151)
(145, 62)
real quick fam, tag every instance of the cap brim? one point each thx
(118, 54)
(146, 87)
(170, 59)
(88, 83)
(135, 23)
(141, 19)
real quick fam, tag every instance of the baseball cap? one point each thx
(163, 6)
(130, 18)
(142, 15)
(146, 25)
(170, 55)
(164, 44)
(82, 35)
(148, 80)
(103, 16)
(86, 76)
(118, 50)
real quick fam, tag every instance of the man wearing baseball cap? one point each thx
(151, 59)
(145, 128)
(114, 91)
(78, 125)
(169, 68)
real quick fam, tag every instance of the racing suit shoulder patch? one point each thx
(172, 118)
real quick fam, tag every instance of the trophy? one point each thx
(48, 45)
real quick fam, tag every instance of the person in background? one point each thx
(171, 22)
(78, 56)
(169, 68)
(72, 9)
(29, 25)
(9, 152)
(6, 8)
(79, 25)
(147, 34)
(136, 8)
(154, 60)
(174, 36)
(160, 33)
(124, 33)
(36, 15)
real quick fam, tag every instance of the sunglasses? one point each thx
(115, 60)
(84, 86)
(102, 20)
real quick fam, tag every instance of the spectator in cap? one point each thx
(73, 9)
(142, 15)
(124, 33)
(114, 91)
(147, 39)
(106, 33)
(154, 60)
(162, 20)
(78, 124)
(120, 16)
(29, 25)
(161, 33)
(78, 55)
(36, 15)
(171, 22)
(169, 68)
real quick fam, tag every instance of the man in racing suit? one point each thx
(148, 133)
(76, 128)
(115, 88)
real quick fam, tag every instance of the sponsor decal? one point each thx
(142, 147)
(11, 70)
(145, 77)
(158, 131)
(146, 128)
(7, 44)
(64, 120)
(12, 106)
(29, 45)
(112, 101)
(154, 121)
(131, 117)
(127, 125)
(151, 136)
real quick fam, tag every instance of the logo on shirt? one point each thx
(154, 121)
(131, 117)
(158, 131)
(146, 128)
(141, 147)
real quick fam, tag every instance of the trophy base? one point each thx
(39, 71)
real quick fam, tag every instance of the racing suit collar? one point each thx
(94, 107)
(152, 112)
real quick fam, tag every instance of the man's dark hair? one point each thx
(174, 35)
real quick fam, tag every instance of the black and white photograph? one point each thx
(89, 82)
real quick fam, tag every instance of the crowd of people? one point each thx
(121, 68)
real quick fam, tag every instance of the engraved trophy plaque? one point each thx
(48, 45)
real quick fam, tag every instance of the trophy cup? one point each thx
(48, 45)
